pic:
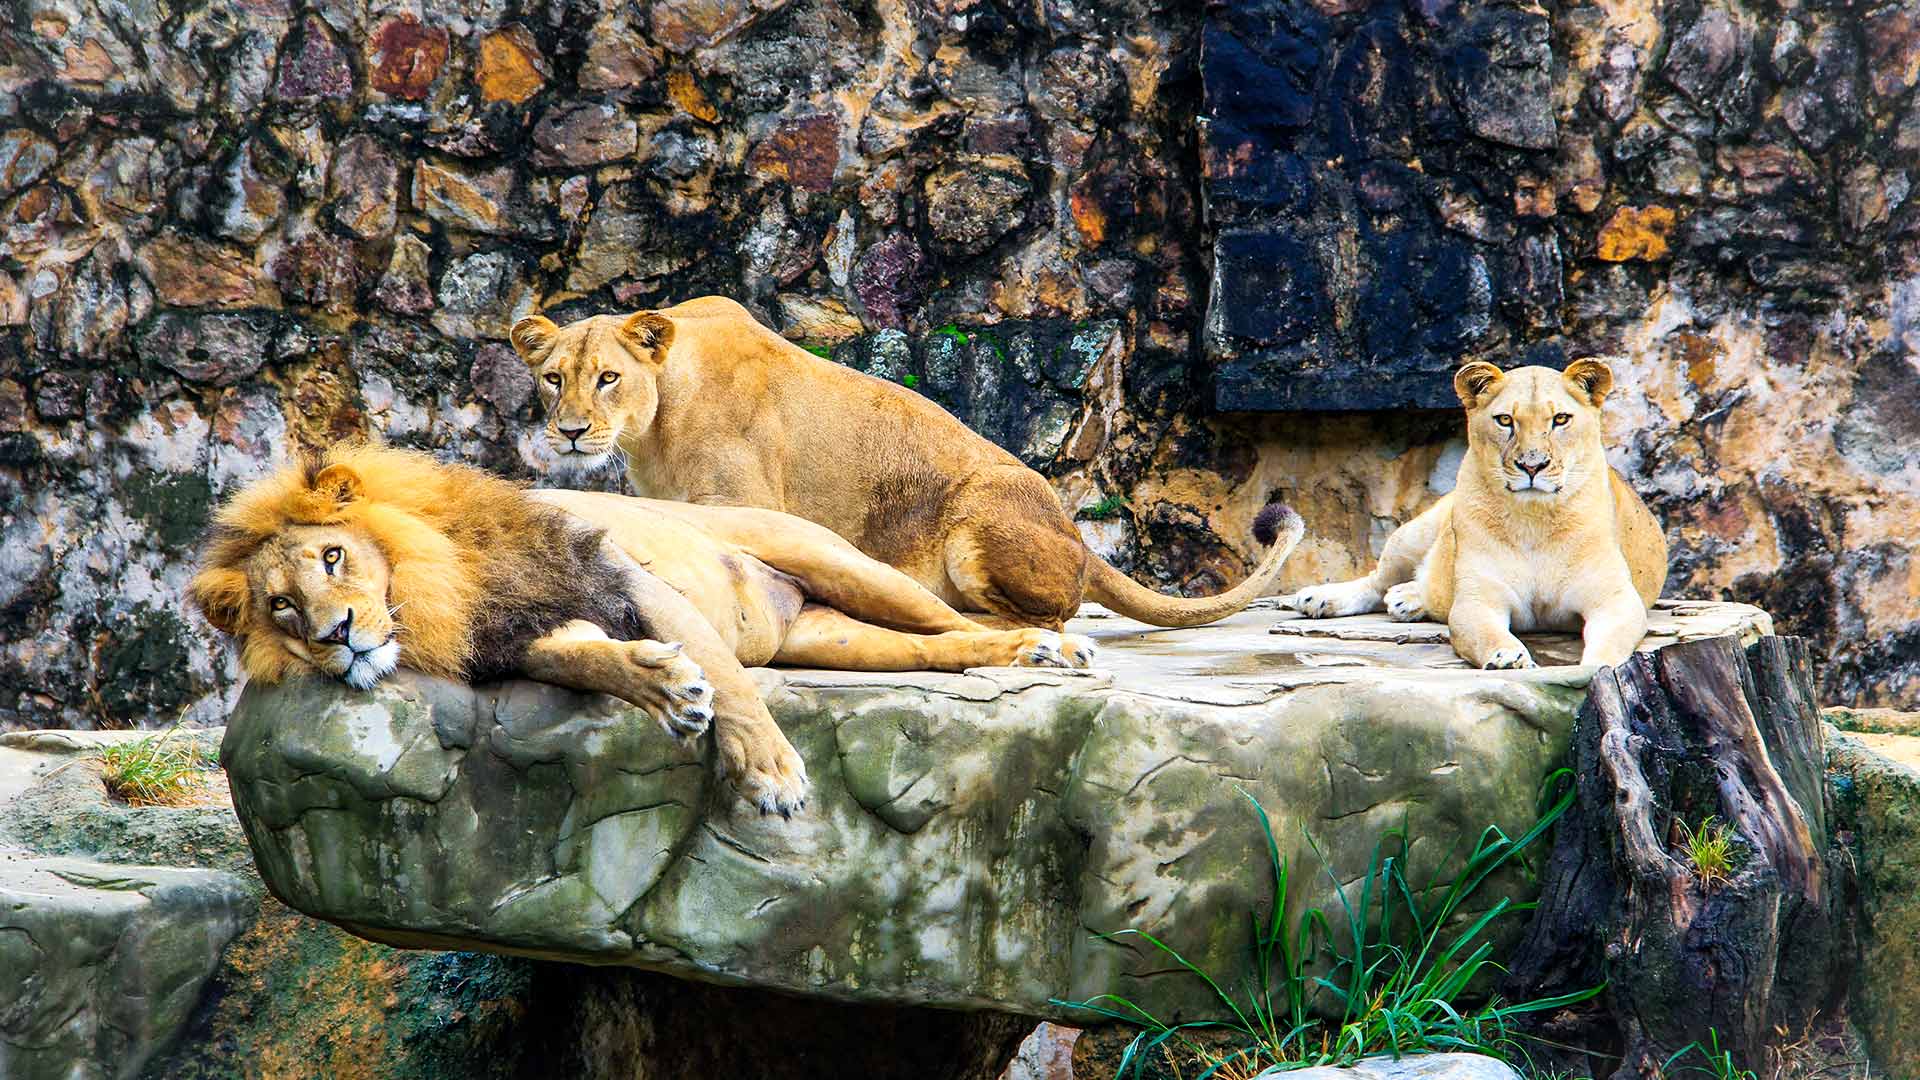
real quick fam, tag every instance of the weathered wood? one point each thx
(1696, 731)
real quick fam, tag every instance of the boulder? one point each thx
(104, 962)
(969, 835)
(1874, 772)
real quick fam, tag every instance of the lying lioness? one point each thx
(1539, 534)
(372, 558)
(708, 406)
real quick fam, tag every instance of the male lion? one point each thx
(708, 406)
(1539, 534)
(369, 558)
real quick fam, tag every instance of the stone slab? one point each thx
(969, 837)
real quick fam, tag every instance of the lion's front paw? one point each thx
(1335, 599)
(767, 772)
(676, 689)
(1405, 603)
(1512, 656)
(1050, 648)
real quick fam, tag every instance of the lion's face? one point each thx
(598, 379)
(1542, 425)
(320, 592)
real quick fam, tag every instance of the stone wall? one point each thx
(1104, 233)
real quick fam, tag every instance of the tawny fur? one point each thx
(708, 406)
(1538, 533)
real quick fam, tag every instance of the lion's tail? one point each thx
(1277, 528)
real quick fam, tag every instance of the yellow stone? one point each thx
(1636, 233)
(686, 94)
(511, 68)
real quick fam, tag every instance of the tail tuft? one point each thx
(1274, 518)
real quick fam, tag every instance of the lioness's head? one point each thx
(305, 595)
(1543, 424)
(598, 378)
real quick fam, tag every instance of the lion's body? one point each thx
(710, 407)
(476, 578)
(1504, 552)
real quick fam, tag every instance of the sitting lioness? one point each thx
(372, 558)
(708, 406)
(1538, 534)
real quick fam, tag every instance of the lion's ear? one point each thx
(647, 335)
(221, 593)
(339, 483)
(1476, 382)
(532, 338)
(1590, 380)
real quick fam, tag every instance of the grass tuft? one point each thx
(1709, 850)
(1104, 510)
(1719, 1064)
(158, 770)
(1403, 976)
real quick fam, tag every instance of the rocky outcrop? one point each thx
(104, 961)
(1098, 231)
(1874, 771)
(967, 834)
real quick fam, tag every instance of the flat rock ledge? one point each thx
(970, 836)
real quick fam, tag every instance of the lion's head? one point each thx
(339, 566)
(597, 379)
(1544, 425)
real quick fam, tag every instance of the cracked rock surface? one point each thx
(967, 835)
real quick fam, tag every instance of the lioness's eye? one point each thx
(332, 557)
(280, 603)
(1503, 420)
(1562, 419)
(608, 378)
(553, 380)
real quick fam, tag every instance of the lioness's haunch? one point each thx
(708, 406)
(371, 558)
(1538, 533)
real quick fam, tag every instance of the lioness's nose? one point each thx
(338, 635)
(1532, 468)
(572, 433)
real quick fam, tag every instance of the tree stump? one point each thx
(1694, 733)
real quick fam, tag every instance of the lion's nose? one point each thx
(338, 635)
(573, 433)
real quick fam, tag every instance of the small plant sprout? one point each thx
(1709, 850)
(158, 770)
(1104, 510)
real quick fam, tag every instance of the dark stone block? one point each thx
(1268, 291)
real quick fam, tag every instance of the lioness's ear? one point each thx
(221, 595)
(647, 334)
(532, 338)
(339, 483)
(1476, 382)
(1590, 380)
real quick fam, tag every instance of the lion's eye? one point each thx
(1562, 419)
(553, 380)
(1504, 420)
(608, 378)
(280, 603)
(331, 557)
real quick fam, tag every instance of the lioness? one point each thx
(1539, 533)
(372, 557)
(708, 406)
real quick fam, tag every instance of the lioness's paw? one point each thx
(1513, 656)
(1079, 650)
(1405, 603)
(767, 772)
(1042, 648)
(1335, 599)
